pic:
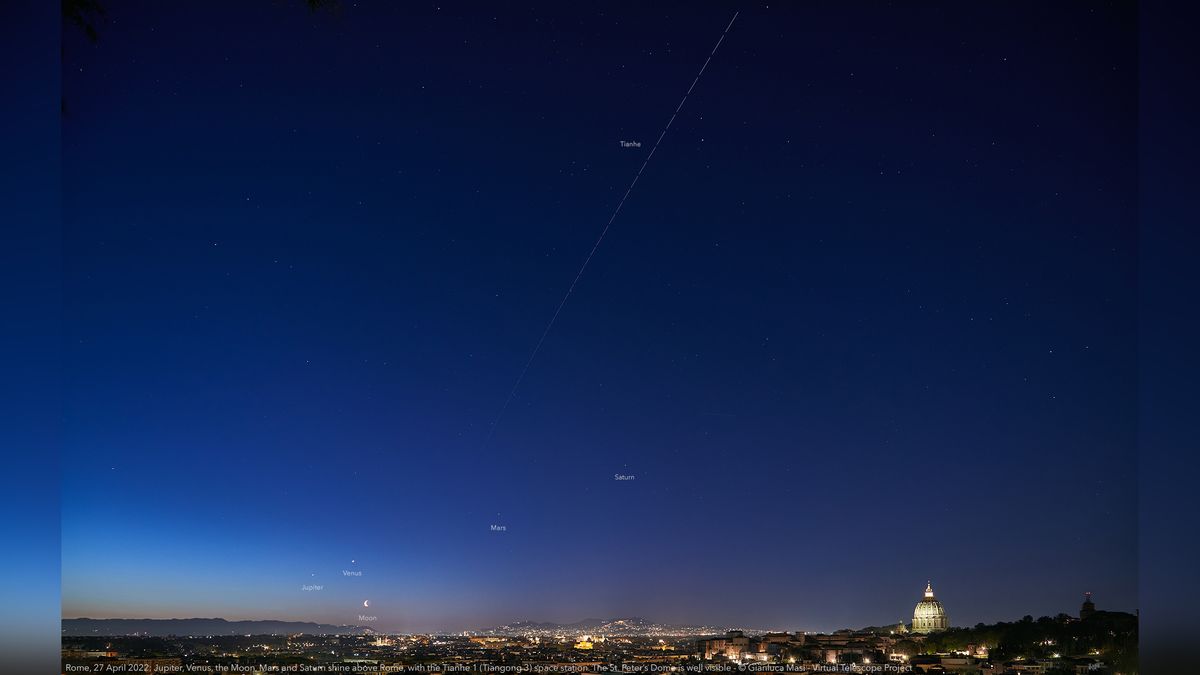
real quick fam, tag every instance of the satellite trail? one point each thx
(571, 289)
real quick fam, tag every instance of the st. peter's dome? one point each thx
(929, 616)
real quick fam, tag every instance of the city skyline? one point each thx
(363, 315)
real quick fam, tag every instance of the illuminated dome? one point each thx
(929, 616)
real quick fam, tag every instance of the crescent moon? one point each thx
(366, 603)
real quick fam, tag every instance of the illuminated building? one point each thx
(1088, 607)
(929, 615)
(732, 646)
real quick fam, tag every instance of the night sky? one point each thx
(866, 320)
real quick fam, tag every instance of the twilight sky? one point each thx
(866, 320)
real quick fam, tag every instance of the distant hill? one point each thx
(623, 627)
(192, 627)
(632, 623)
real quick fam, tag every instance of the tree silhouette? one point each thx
(314, 5)
(83, 14)
(86, 14)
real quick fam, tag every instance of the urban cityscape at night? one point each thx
(626, 337)
(1091, 640)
